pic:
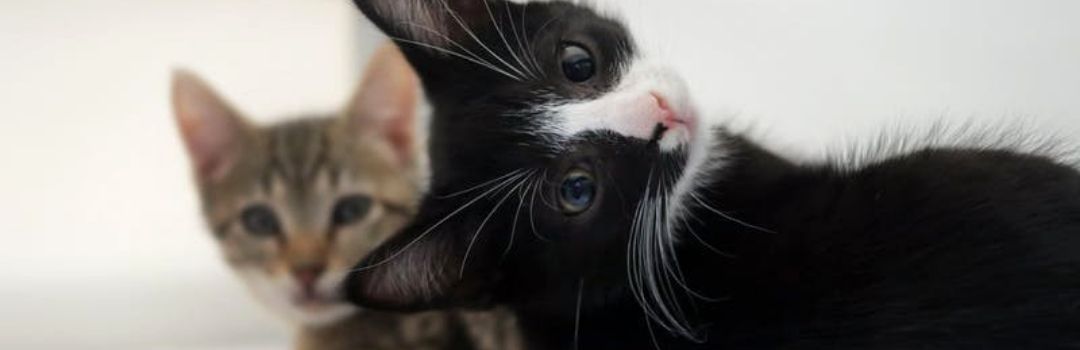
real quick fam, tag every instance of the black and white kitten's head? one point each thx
(560, 156)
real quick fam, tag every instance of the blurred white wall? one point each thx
(822, 72)
(101, 245)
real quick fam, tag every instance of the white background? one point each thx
(101, 245)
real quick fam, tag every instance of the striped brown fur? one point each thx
(302, 177)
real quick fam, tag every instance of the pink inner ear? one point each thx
(385, 103)
(399, 133)
(209, 146)
(209, 127)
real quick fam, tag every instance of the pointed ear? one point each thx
(211, 129)
(404, 276)
(428, 22)
(422, 268)
(384, 105)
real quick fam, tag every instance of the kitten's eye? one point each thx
(349, 209)
(259, 220)
(578, 64)
(577, 191)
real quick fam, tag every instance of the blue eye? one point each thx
(577, 192)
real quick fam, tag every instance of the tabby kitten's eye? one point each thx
(350, 209)
(259, 220)
(577, 191)
(578, 64)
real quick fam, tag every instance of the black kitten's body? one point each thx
(938, 249)
(577, 185)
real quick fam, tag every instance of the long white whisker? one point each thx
(655, 274)
(436, 225)
(468, 31)
(545, 201)
(667, 253)
(498, 29)
(455, 54)
(533, 38)
(517, 213)
(518, 40)
(532, 204)
(528, 42)
(674, 270)
(480, 228)
(726, 216)
(470, 189)
(577, 312)
(660, 285)
(652, 334)
(706, 244)
(451, 41)
(636, 252)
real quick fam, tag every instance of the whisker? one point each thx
(455, 54)
(480, 228)
(654, 271)
(652, 334)
(518, 40)
(468, 31)
(728, 217)
(436, 225)
(637, 251)
(532, 204)
(517, 213)
(670, 263)
(502, 36)
(661, 285)
(546, 201)
(452, 41)
(528, 43)
(470, 189)
(577, 312)
(542, 27)
(533, 38)
(707, 245)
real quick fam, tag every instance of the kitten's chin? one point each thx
(706, 153)
(279, 295)
(677, 137)
(320, 314)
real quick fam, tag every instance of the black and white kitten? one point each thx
(573, 181)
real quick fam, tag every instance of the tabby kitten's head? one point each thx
(562, 155)
(294, 205)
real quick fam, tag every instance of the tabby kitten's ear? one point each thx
(211, 129)
(384, 105)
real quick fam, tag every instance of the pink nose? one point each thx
(667, 115)
(307, 276)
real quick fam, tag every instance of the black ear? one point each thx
(409, 272)
(422, 266)
(434, 23)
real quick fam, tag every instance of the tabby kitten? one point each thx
(573, 180)
(294, 205)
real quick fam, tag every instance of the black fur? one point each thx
(935, 249)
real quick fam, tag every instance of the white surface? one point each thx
(818, 72)
(102, 246)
